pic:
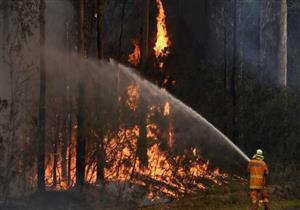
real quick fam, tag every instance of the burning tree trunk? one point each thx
(55, 151)
(42, 105)
(81, 143)
(70, 145)
(142, 138)
(64, 144)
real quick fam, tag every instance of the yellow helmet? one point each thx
(259, 154)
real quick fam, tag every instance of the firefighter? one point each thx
(258, 170)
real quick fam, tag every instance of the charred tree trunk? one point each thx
(100, 147)
(70, 145)
(55, 151)
(69, 125)
(81, 143)
(42, 103)
(64, 143)
(100, 160)
(142, 140)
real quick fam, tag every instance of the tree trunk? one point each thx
(64, 142)
(282, 45)
(55, 151)
(81, 143)
(100, 160)
(42, 103)
(122, 28)
(100, 146)
(5, 23)
(100, 15)
(225, 49)
(234, 76)
(70, 145)
(145, 51)
(274, 42)
(69, 122)
(142, 140)
(259, 41)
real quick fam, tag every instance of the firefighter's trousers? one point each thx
(256, 196)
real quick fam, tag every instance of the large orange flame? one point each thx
(162, 40)
(165, 174)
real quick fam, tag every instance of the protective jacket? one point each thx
(257, 170)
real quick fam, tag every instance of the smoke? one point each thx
(59, 17)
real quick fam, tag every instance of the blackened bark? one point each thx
(100, 147)
(100, 160)
(42, 103)
(55, 151)
(64, 144)
(142, 142)
(70, 145)
(81, 143)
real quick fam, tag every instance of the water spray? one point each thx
(197, 116)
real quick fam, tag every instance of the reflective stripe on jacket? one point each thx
(257, 170)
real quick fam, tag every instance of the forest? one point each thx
(147, 104)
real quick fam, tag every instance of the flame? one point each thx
(62, 184)
(165, 175)
(133, 96)
(162, 40)
(169, 175)
(135, 56)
